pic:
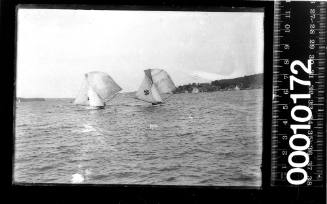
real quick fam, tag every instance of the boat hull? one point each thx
(157, 104)
(94, 107)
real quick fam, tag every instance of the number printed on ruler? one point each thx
(299, 149)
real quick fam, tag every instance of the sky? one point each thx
(55, 47)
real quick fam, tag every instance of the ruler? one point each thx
(299, 94)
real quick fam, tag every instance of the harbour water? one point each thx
(193, 139)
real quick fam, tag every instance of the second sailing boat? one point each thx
(155, 83)
(97, 89)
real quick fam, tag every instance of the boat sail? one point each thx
(97, 88)
(237, 88)
(155, 83)
(195, 90)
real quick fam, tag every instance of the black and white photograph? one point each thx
(143, 97)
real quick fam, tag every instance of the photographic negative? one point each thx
(139, 97)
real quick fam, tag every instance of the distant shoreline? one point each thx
(254, 81)
(20, 99)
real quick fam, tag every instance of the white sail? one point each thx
(155, 93)
(94, 99)
(103, 84)
(97, 88)
(162, 80)
(195, 90)
(155, 82)
(82, 97)
(148, 91)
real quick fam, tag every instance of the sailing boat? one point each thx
(195, 90)
(155, 83)
(97, 88)
(237, 88)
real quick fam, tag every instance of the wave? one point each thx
(207, 181)
(129, 105)
(86, 128)
(185, 134)
(170, 168)
(99, 177)
(243, 177)
(170, 179)
(192, 151)
(44, 168)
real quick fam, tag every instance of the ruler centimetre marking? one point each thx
(299, 36)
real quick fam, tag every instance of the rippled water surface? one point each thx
(193, 139)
